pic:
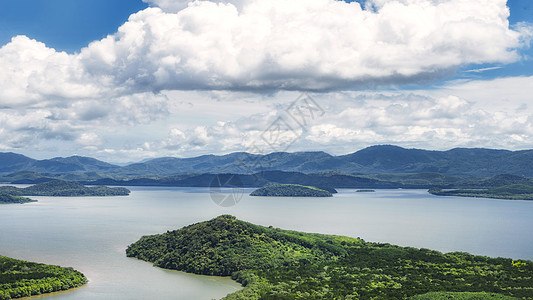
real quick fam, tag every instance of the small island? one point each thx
(290, 190)
(20, 278)
(507, 192)
(365, 191)
(272, 263)
(60, 188)
(10, 199)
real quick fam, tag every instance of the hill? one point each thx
(273, 263)
(290, 190)
(9, 199)
(63, 188)
(12, 163)
(20, 278)
(507, 192)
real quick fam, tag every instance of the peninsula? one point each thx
(20, 278)
(272, 263)
(10, 199)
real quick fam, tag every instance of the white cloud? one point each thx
(266, 45)
(31, 73)
(89, 140)
(307, 44)
(174, 6)
(354, 120)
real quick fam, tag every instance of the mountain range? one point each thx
(381, 159)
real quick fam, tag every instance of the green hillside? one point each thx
(20, 278)
(279, 264)
(461, 296)
(9, 199)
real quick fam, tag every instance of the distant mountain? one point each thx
(382, 159)
(238, 163)
(12, 163)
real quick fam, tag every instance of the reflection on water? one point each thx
(91, 234)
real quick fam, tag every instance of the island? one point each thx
(10, 199)
(63, 189)
(365, 191)
(273, 263)
(20, 278)
(290, 190)
(506, 192)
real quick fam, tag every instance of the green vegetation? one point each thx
(63, 188)
(508, 192)
(290, 190)
(461, 296)
(8, 199)
(279, 264)
(23, 279)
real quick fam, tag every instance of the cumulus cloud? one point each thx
(354, 120)
(304, 44)
(267, 45)
(32, 72)
(174, 6)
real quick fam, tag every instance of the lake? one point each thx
(92, 233)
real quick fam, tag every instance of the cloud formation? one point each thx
(354, 120)
(267, 45)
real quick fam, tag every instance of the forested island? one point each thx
(10, 199)
(272, 263)
(507, 192)
(290, 190)
(20, 278)
(63, 189)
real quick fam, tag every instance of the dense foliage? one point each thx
(23, 279)
(63, 188)
(290, 190)
(8, 199)
(278, 264)
(225, 245)
(510, 192)
(461, 296)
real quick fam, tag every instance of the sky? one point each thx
(128, 80)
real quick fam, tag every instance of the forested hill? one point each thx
(10, 199)
(290, 190)
(63, 188)
(382, 159)
(224, 245)
(20, 278)
(280, 264)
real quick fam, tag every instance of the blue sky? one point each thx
(213, 78)
(63, 24)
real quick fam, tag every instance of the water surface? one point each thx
(91, 233)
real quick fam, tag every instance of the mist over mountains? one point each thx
(381, 159)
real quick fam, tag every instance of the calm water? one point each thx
(91, 234)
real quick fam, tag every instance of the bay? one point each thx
(92, 233)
